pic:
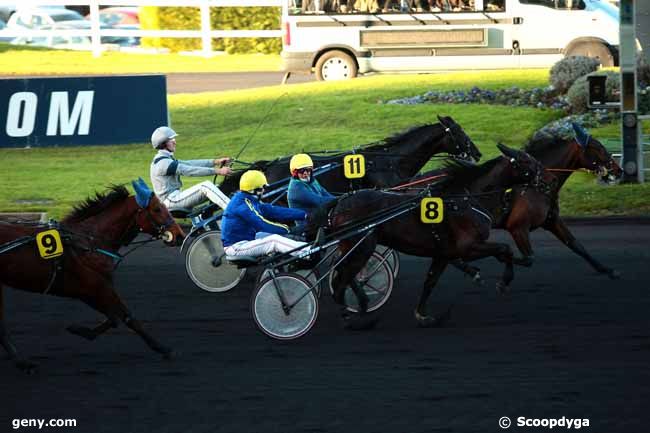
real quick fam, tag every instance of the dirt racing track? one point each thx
(566, 342)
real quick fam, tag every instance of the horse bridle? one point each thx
(463, 153)
(602, 169)
(161, 230)
(536, 175)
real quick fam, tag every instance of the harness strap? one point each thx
(56, 280)
(16, 243)
(160, 158)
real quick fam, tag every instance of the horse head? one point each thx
(593, 156)
(457, 142)
(153, 217)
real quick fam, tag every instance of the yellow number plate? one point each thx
(354, 166)
(431, 210)
(49, 244)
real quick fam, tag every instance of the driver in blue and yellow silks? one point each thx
(304, 190)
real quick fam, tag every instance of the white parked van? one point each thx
(339, 39)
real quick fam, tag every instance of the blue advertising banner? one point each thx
(37, 112)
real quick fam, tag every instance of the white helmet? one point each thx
(161, 135)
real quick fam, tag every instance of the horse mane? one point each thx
(461, 173)
(543, 143)
(100, 202)
(398, 138)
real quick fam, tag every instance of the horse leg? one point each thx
(562, 232)
(503, 253)
(518, 225)
(472, 271)
(19, 361)
(92, 333)
(424, 320)
(521, 236)
(349, 268)
(109, 303)
(345, 277)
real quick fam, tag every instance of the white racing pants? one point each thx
(266, 245)
(196, 195)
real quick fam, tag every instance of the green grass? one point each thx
(312, 116)
(41, 61)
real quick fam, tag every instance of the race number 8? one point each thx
(431, 210)
(354, 166)
(49, 244)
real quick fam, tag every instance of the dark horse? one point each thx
(388, 162)
(531, 207)
(535, 204)
(462, 234)
(91, 236)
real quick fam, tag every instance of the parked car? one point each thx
(118, 15)
(33, 18)
(77, 42)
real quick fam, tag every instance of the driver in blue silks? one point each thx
(252, 228)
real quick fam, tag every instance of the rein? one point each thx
(417, 182)
(568, 169)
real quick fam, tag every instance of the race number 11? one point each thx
(354, 166)
(431, 210)
(49, 244)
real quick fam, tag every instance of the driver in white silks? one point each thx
(251, 228)
(166, 171)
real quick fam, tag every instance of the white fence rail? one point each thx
(205, 33)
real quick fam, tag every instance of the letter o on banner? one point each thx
(21, 103)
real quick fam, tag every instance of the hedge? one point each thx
(229, 18)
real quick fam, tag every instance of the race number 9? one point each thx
(431, 210)
(354, 166)
(49, 244)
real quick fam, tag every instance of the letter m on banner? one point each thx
(61, 116)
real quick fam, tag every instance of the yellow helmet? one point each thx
(252, 180)
(300, 160)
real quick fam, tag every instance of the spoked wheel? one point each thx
(270, 314)
(311, 275)
(207, 267)
(392, 258)
(376, 279)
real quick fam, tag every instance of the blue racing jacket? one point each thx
(246, 215)
(307, 196)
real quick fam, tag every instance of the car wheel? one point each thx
(335, 65)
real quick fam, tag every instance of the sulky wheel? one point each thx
(284, 323)
(392, 258)
(206, 265)
(377, 280)
(311, 275)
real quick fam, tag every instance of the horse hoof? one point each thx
(502, 288)
(428, 322)
(433, 321)
(478, 280)
(614, 274)
(81, 331)
(360, 322)
(27, 367)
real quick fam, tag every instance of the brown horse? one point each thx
(90, 237)
(535, 204)
(532, 207)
